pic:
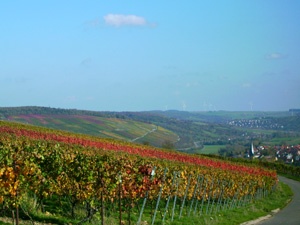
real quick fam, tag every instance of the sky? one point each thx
(135, 55)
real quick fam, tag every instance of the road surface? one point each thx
(290, 215)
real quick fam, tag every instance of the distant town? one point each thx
(256, 123)
(289, 154)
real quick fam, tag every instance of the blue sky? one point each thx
(132, 55)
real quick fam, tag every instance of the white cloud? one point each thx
(191, 84)
(246, 85)
(118, 20)
(275, 55)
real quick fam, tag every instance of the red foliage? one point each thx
(144, 151)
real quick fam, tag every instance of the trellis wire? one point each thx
(202, 195)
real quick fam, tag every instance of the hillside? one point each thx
(97, 124)
(184, 130)
(73, 178)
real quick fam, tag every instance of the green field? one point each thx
(210, 149)
(242, 114)
(284, 140)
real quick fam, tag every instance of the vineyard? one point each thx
(90, 177)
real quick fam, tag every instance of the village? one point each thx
(256, 124)
(289, 154)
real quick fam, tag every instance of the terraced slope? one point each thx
(115, 128)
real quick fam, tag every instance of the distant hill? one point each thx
(101, 124)
(185, 130)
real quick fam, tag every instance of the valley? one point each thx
(181, 130)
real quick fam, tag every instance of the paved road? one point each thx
(290, 215)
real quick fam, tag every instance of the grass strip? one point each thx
(262, 207)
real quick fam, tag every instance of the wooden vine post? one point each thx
(185, 194)
(169, 197)
(120, 196)
(159, 195)
(145, 199)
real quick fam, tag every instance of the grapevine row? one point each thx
(86, 170)
(145, 151)
(49, 168)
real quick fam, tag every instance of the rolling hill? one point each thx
(96, 125)
(188, 131)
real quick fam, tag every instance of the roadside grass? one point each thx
(293, 177)
(261, 207)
